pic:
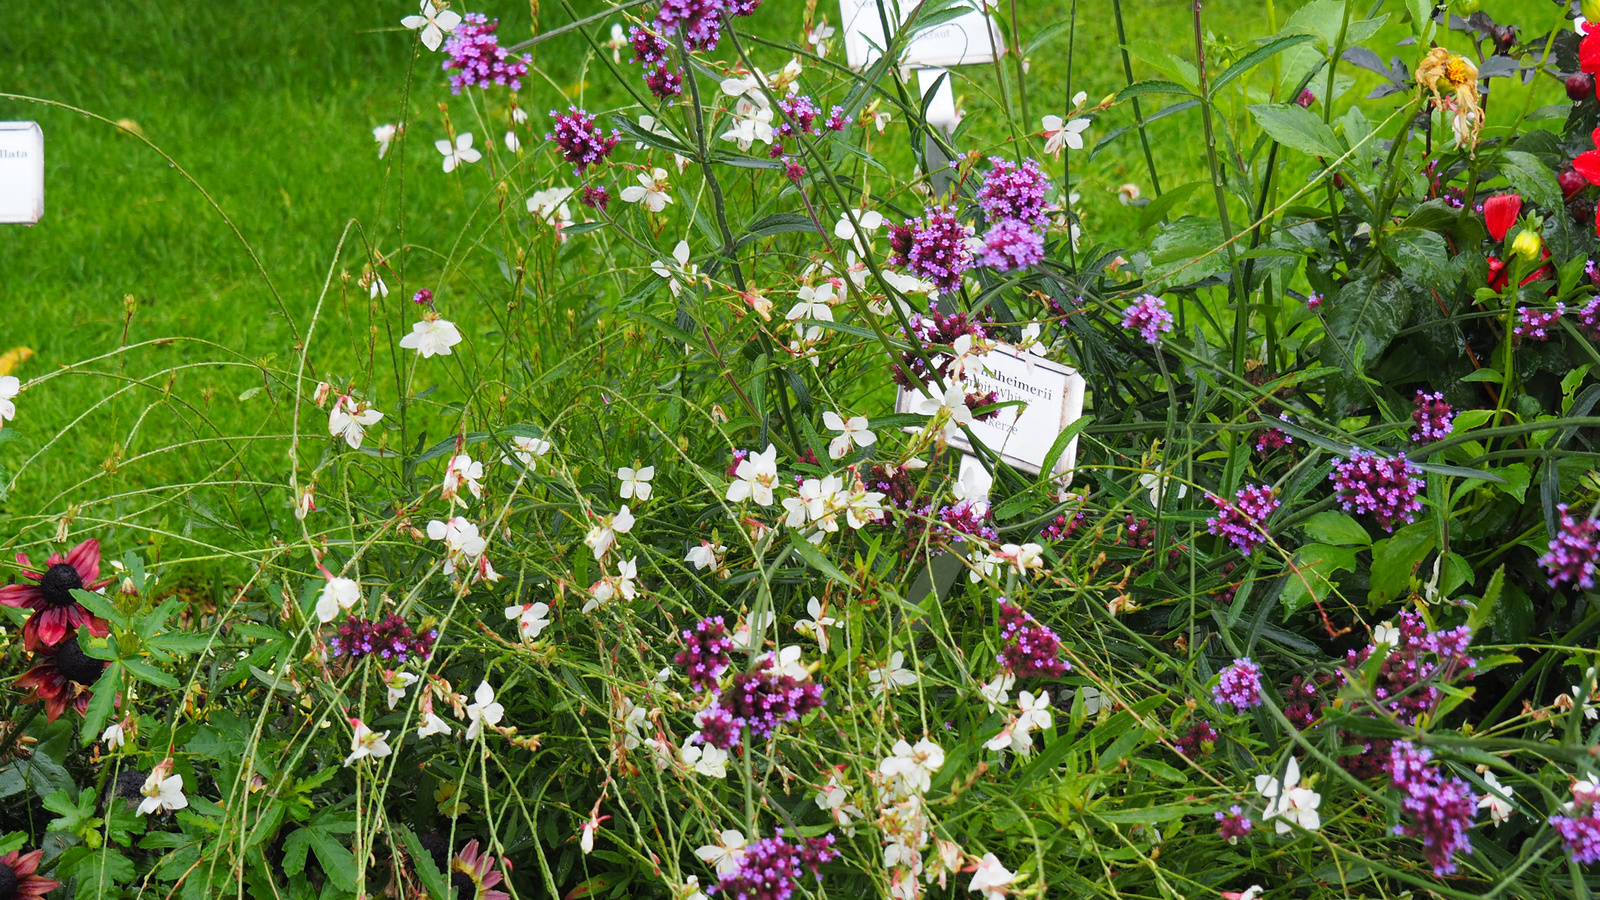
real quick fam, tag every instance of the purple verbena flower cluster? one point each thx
(934, 247)
(1233, 824)
(1030, 649)
(1241, 521)
(389, 638)
(1434, 418)
(1533, 323)
(580, 139)
(1574, 551)
(1198, 741)
(800, 114)
(837, 121)
(969, 518)
(1441, 809)
(1240, 685)
(770, 868)
(1589, 317)
(1014, 192)
(1062, 528)
(1385, 487)
(1314, 301)
(664, 83)
(761, 700)
(705, 654)
(1580, 829)
(1407, 683)
(649, 48)
(1012, 245)
(1148, 315)
(1269, 439)
(596, 198)
(479, 60)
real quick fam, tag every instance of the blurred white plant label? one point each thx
(1022, 436)
(968, 39)
(21, 173)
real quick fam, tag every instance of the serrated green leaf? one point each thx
(1297, 128)
(100, 606)
(101, 702)
(150, 674)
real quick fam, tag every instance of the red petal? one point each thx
(20, 595)
(86, 559)
(47, 626)
(27, 863)
(1588, 165)
(1500, 213)
(1589, 52)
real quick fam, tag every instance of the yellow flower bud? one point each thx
(1591, 10)
(1527, 245)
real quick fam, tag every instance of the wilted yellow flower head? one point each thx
(1453, 81)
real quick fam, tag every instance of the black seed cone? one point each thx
(130, 783)
(8, 882)
(77, 665)
(58, 583)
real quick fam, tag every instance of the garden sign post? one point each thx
(21, 173)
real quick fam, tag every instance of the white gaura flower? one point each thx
(787, 661)
(1156, 483)
(706, 760)
(1058, 134)
(651, 191)
(348, 419)
(526, 449)
(383, 134)
(817, 626)
(997, 692)
(1127, 193)
(483, 711)
(162, 790)
(705, 556)
(1497, 801)
(396, 683)
(1034, 712)
(432, 724)
(1589, 710)
(751, 122)
(742, 633)
(853, 432)
(337, 594)
(991, 878)
(813, 302)
(531, 618)
(619, 40)
(610, 587)
(755, 474)
(550, 207)
(683, 274)
(725, 854)
(633, 719)
(913, 767)
(9, 388)
(948, 405)
(376, 288)
(892, 676)
(856, 226)
(432, 336)
(434, 24)
(1288, 802)
(603, 535)
(649, 125)
(834, 799)
(462, 471)
(1386, 635)
(459, 153)
(512, 143)
(636, 482)
(462, 543)
(115, 735)
(366, 743)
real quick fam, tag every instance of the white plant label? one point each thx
(966, 40)
(1022, 436)
(21, 173)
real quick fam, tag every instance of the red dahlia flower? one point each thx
(62, 676)
(1588, 162)
(1500, 213)
(1589, 49)
(1499, 274)
(17, 881)
(56, 614)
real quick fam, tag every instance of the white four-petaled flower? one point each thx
(912, 767)
(383, 134)
(891, 676)
(396, 684)
(337, 594)
(1058, 134)
(531, 618)
(725, 854)
(432, 336)
(991, 878)
(527, 448)
(462, 471)
(853, 432)
(162, 790)
(817, 626)
(366, 743)
(755, 474)
(348, 419)
(1288, 802)
(680, 276)
(704, 759)
(483, 711)
(651, 191)
(458, 153)
(433, 22)
(636, 482)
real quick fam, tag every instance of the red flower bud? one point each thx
(1500, 213)
(1571, 183)
(1580, 87)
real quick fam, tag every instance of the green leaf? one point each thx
(180, 643)
(1297, 128)
(1532, 178)
(1336, 528)
(649, 138)
(1483, 611)
(148, 673)
(100, 704)
(1310, 575)
(1395, 561)
(1157, 209)
(336, 859)
(1141, 88)
(813, 556)
(1421, 254)
(1517, 478)
(422, 863)
(1256, 57)
(100, 606)
(778, 223)
(1060, 446)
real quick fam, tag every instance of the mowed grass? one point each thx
(269, 109)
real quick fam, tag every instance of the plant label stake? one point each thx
(21, 173)
(968, 39)
(1022, 437)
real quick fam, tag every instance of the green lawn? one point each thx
(269, 108)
